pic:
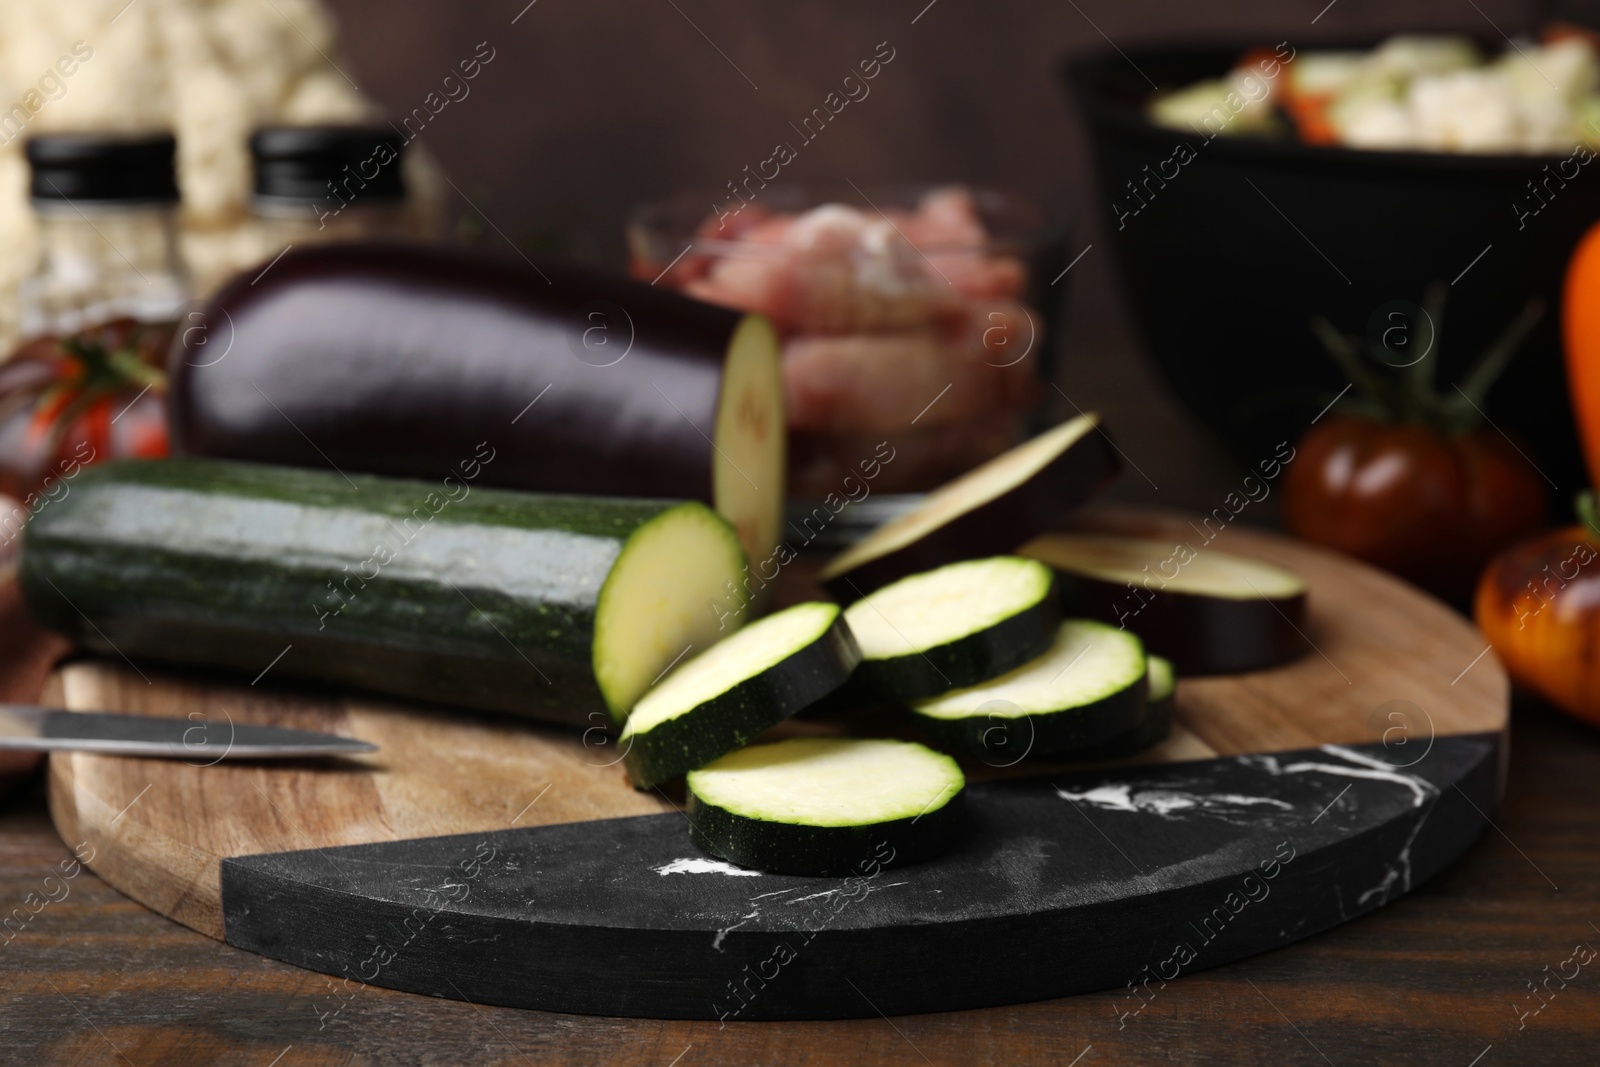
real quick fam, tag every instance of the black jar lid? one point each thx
(298, 162)
(103, 168)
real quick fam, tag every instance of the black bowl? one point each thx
(1228, 259)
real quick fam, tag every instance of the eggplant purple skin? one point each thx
(1199, 634)
(400, 359)
(999, 526)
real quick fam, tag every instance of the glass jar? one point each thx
(327, 183)
(97, 316)
(106, 210)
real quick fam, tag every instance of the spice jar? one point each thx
(108, 251)
(327, 183)
(97, 315)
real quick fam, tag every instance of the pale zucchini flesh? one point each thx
(1163, 679)
(652, 608)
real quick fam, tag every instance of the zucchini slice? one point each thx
(988, 510)
(953, 626)
(1163, 683)
(737, 688)
(1163, 699)
(1158, 717)
(1088, 688)
(1209, 612)
(826, 805)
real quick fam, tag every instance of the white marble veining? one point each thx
(1361, 765)
(868, 888)
(1163, 802)
(701, 865)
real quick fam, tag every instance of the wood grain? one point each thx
(26, 656)
(160, 829)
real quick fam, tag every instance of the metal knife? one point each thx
(31, 728)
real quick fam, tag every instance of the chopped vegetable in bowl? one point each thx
(1432, 93)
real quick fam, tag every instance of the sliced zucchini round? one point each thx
(735, 689)
(1088, 688)
(1163, 701)
(953, 626)
(1210, 612)
(1157, 721)
(1163, 682)
(826, 805)
(992, 508)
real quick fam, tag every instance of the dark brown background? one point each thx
(591, 107)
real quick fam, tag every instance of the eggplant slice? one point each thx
(987, 511)
(1209, 612)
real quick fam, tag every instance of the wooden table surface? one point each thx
(1442, 976)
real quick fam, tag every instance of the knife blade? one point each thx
(37, 729)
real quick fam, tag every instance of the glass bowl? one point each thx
(915, 319)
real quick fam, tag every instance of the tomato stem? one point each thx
(1585, 506)
(1390, 392)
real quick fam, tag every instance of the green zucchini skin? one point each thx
(968, 660)
(487, 601)
(1155, 728)
(735, 717)
(823, 851)
(1075, 733)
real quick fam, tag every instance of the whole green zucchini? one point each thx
(555, 607)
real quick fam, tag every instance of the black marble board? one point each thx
(1061, 883)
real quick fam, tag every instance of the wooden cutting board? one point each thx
(499, 861)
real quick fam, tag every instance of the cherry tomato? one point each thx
(1430, 506)
(67, 403)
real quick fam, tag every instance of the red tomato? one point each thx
(1432, 507)
(64, 405)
